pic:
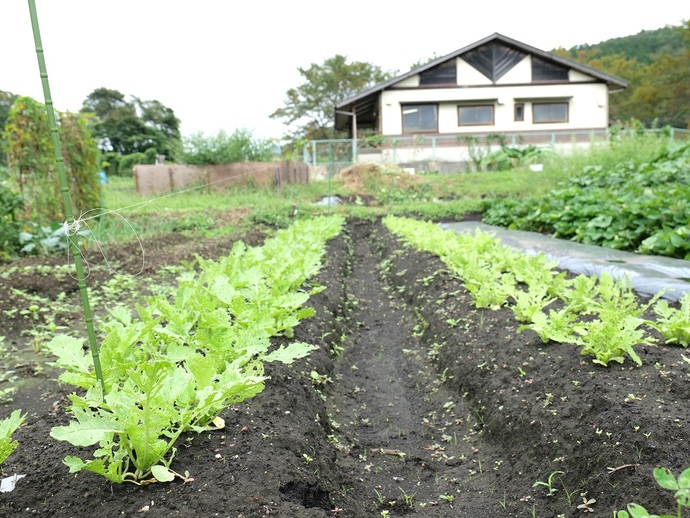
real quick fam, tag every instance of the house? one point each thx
(496, 85)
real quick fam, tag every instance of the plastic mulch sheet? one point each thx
(648, 274)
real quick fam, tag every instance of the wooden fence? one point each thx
(160, 179)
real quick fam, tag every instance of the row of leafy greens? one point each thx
(641, 208)
(600, 314)
(179, 362)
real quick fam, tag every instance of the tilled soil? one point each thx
(415, 403)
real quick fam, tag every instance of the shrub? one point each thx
(222, 148)
(127, 163)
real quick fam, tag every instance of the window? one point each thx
(480, 115)
(549, 112)
(547, 71)
(519, 112)
(419, 117)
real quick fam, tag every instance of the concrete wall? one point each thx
(158, 179)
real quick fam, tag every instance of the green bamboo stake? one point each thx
(64, 189)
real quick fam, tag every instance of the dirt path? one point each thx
(398, 427)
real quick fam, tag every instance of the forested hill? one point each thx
(656, 65)
(642, 46)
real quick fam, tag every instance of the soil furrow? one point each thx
(398, 430)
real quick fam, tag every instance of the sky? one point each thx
(227, 64)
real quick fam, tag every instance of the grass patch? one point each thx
(433, 196)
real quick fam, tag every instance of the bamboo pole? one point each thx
(64, 189)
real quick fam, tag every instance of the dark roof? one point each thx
(364, 102)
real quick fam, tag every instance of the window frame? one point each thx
(479, 105)
(407, 106)
(551, 121)
(519, 112)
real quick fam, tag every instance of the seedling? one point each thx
(586, 504)
(409, 499)
(549, 483)
(667, 480)
(447, 498)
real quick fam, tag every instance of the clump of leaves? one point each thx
(666, 480)
(8, 426)
(558, 326)
(611, 339)
(529, 302)
(673, 324)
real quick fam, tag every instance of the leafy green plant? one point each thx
(222, 148)
(30, 150)
(8, 426)
(182, 361)
(667, 480)
(673, 324)
(11, 202)
(137, 424)
(637, 206)
(195, 222)
(47, 239)
(549, 484)
(611, 339)
(558, 326)
(530, 301)
(613, 321)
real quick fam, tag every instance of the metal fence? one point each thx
(449, 149)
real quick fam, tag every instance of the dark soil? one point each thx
(415, 403)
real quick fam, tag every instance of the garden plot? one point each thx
(415, 403)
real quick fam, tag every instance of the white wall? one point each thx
(588, 105)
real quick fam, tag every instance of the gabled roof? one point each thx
(364, 102)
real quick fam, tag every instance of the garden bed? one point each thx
(414, 403)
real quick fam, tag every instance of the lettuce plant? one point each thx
(8, 426)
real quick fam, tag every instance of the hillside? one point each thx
(642, 46)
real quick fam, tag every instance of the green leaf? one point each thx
(75, 464)
(637, 511)
(162, 473)
(75, 361)
(88, 429)
(8, 426)
(684, 479)
(665, 478)
(290, 353)
(682, 496)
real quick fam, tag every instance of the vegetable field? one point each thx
(410, 390)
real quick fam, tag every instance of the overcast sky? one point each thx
(226, 64)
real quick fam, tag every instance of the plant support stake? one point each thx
(64, 189)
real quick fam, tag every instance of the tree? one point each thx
(132, 126)
(657, 66)
(222, 148)
(312, 104)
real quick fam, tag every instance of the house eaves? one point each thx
(365, 102)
